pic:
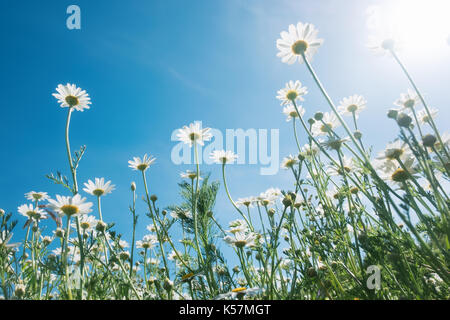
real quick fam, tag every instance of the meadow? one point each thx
(357, 223)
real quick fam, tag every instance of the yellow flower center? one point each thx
(400, 175)
(240, 243)
(239, 289)
(326, 127)
(37, 196)
(293, 114)
(299, 47)
(142, 166)
(352, 108)
(409, 103)
(69, 209)
(72, 100)
(84, 225)
(194, 136)
(98, 192)
(292, 95)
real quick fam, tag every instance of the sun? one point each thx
(422, 27)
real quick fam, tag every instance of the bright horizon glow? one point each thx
(421, 27)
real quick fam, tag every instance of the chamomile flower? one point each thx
(194, 134)
(242, 239)
(70, 206)
(289, 162)
(181, 214)
(141, 164)
(423, 117)
(383, 45)
(328, 123)
(241, 292)
(352, 105)
(334, 143)
(348, 164)
(395, 150)
(291, 113)
(394, 173)
(292, 92)
(407, 100)
(72, 97)
(188, 174)
(99, 188)
(298, 41)
(248, 202)
(36, 196)
(29, 211)
(147, 242)
(223, 157)
(238, 225)
(87, 223)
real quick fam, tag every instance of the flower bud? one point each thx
(124, 255)
(404, 120)
(318, 116)
(311, 121)
(164, 212)
(168, 284)
(392, 114)
(153, 198)
(2, 212)
(101, 226)
(271, 212)
(133, 186)
(429, 140)
(357, 134)
(20, 290)
(59, 232)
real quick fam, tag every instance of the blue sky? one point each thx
(151, 67)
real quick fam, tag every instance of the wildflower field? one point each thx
(356, 223)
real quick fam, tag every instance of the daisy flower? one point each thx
(248, 202)
(422, 115)
(29, 211)
(72, 97)
(310, 150)
(188, 174)
(393, 172)
(70, 206)
(141, 164)
(222, 156)
(99, 188)
(293, 91)
(291, 113)
(395, 150)
(407, 100)
(334, 143)
(87, 223)
(147, 242)
(241, 292)
(297, 41)
(242, 239)
(238, 225)
(348, 165)
(194, 134)
(181, 214)
(289, 162)
(382, 45)
(328, 123)
(36, 196)
(352, 105)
